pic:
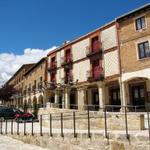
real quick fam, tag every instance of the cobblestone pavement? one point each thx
(7, 143)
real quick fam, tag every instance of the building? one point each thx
(85, 72)
(34, 79)
(109, 66)
(17, 80)
(134, 41)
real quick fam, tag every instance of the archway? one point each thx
(73, 99)
(137, 93)
(25, 106)
(41, 101)
(35, 106)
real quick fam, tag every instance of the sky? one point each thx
(29, 29)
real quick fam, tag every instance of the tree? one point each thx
(6, 92)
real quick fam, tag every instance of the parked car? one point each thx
(13, 113)
(7, 113)
(21, 116)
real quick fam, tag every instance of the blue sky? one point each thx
(45, 23)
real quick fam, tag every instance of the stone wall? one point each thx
(115, 121)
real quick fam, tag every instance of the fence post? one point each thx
(62, 134)
(12, 126)
(50, 124)
(6, 126)
(41, 125)
(32, 128)
(126, 122)
(89, 134)
(105, 118)
(74, 124)
(1, 126)
(148, 121)
(24, 126)
(18, 126)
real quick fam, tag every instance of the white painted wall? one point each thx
(80, 70)
(79, 49)
(59, 75)
(58, 57)
(145, 73)
(111, 62)
(109, 37)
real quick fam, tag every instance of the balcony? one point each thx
(66, 60)
(69, 80)
(95, 48)
(52, 85)
(52, 66)
(95, 76)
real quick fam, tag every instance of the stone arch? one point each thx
(73, 99)
(25, 102)
(41, 101)
(93, 97)
(35, 106)
(34, 100)
(25, 105)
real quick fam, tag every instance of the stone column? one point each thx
(101, 91)
(67, 98)
(56, 99)
(81, 98)
(63, 99)
(123, 96)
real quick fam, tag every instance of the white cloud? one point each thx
(10, 63)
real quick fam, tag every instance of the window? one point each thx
(140, 23)
(144, 50)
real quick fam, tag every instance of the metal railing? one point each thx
(11, 126)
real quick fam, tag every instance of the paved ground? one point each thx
(7, 143)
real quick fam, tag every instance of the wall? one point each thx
(111, 63)
(80, 70)
(109, 38)
(79, 49)
(129, 38)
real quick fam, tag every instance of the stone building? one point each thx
(85, 71)
(108, 66)
(17, 80)
(134, 41)
(34, 79)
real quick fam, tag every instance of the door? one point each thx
(138, 95)
(95, 44)
(95, 99)
(96, 70)
(73, 104)
(115, 100)
(68, 55)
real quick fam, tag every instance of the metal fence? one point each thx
(13, 126)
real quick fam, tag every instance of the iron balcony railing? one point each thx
(95, 48)
(52, 66)
(94, 76)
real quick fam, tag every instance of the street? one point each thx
(7, 143)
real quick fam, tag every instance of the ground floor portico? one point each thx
(131, 90)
